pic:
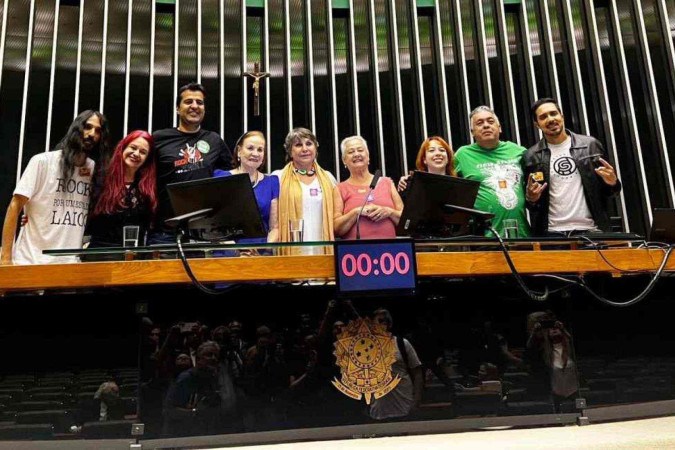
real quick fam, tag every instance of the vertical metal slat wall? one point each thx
(382, 68)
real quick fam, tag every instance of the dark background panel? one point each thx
(139, 95)
(38, 87)
(163, 105)
(116, 66)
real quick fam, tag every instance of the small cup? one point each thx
(130, 235)
(510, 228)
(296, 228)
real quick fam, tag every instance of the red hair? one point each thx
(114, 189)
(422, 154)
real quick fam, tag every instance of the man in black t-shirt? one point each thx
(185, 153)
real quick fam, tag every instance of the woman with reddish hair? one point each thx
(434, 156)
(129, 194)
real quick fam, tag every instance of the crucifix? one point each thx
(257, 75)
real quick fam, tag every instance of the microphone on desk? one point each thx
(373, 183)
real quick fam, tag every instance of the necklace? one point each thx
(255, 182)
(305, 172)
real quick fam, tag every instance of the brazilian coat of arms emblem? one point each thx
(365, 352)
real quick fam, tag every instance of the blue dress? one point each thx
(265, 191)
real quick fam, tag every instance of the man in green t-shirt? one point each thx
(497, 166)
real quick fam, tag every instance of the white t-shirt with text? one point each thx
(57, 209)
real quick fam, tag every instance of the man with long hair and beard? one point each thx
(54, 192)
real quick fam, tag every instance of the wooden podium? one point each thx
(289, 268)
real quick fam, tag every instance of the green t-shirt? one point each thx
(500, 175)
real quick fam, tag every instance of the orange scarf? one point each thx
(290, 201)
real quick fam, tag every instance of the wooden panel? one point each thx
(287, 268)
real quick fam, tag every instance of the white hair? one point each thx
(482, 108)
(343, 144)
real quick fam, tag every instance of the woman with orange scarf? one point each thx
(306, 190)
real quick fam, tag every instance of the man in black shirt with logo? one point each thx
(185, 153)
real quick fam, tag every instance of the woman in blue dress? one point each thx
(250, 155)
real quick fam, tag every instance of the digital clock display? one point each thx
(375, 267)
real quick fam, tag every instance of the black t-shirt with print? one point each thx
(184, 157)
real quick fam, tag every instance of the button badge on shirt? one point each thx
(85, 171)
(314, 192)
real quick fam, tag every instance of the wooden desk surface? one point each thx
(289, 268)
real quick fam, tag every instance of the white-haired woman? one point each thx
(380, 208)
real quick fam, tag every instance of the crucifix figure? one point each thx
(257, 75)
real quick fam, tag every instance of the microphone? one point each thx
(376, 178)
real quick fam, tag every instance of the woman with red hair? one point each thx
(129, 194)
(434, 156)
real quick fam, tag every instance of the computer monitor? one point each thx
(425, 213)
(234, 214)
(663, 225)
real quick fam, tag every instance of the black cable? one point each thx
(650, 286)
(534, 295)
(188, 270)
(596, 247)
(640, 296)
